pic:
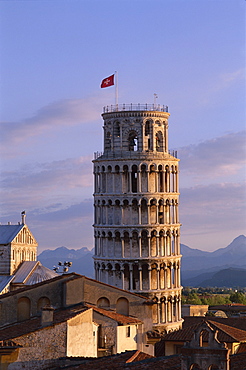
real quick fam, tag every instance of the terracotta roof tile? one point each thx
(237, 335)
(129, 360)
(242, 348)
(122, 319)
(225, 333)
(238, 361)
(236, 322)
(21, 328)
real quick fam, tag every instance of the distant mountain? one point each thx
(230, 278)
(81, 259)
(198, 267)
(234, 255)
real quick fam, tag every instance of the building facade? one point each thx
(17, 244)
(136, 198)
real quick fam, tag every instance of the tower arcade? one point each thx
(136, 221)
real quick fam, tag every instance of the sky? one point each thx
(53, 57)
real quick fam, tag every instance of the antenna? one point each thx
(155, 97)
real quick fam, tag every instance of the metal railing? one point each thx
(135, 107)
(135, 155)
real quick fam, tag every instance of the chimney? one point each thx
(23, 216)
(47, 315)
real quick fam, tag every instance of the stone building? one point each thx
(72, 315)
(17, 244)
(136, 198)
(18, 258)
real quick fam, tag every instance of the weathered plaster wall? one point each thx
(82, 335)
(124, 342)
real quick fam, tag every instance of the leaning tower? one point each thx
(136, 197)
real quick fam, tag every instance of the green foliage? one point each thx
(192, 298)
(212, 296)
(238, 297)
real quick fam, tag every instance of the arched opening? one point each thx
(135, 244)
(144, 244)
(153, 211)
(103, 302)
(203, 338)
(127, 283)
(126, 244)
(134, 212)
(134, 179)
(154, 276)
(117, 212)
(159, 141)
(152, 179)
(160, 179)
(144, 212)
(195, 367)
(117, 129)
(144, 179)
(133, 141)
(23, 309)
(135, 282)
(147, 133)
(43, 301)
(117, 244)
(110, 274)
(153, 243)
(125, 179)
(145, 276)
(108, 141)
(122, 306)
(118, 282)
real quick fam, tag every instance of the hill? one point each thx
(224, 266)
(230, 278)
(81, 259)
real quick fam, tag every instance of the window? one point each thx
(128, 331)
(103, 302)
(43, 301)
(122, 306)
(23, 309)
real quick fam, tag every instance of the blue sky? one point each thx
(53, 56)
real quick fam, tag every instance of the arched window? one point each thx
(133, 141)
(103, 302)
(23, 309)
(43, 301)
(134, 178)
(117, 129)
(195, 367)
(122, 306)
(108, 141)
(203, 338)
(159, 141)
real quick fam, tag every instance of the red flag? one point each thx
(109, 81)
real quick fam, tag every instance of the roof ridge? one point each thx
(229, 330)
(133, 357)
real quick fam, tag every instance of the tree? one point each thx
(238, 297)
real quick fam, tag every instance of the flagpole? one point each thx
(116, 89)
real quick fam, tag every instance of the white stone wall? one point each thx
(136, 201)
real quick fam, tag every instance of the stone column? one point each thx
(122, 276)
(131, 276)
(140, 277)
(149, 269)
(139, 182)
